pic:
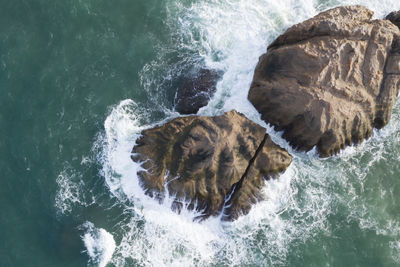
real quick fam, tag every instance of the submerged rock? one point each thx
(195, 90)
(213, 163)
(328, 81)
(394, 17)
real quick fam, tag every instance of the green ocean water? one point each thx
(65, 137)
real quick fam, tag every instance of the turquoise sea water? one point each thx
(79, 79)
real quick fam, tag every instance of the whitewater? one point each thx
(301, 206)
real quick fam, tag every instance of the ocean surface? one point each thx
(79, 80)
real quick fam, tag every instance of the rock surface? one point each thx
(394, 17)
(216, 164)
(328, 81)
(195, 90)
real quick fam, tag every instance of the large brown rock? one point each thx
(213, 163)
(328, 81)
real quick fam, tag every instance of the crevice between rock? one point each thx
(378, 119)
(236, 186)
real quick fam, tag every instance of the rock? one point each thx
(208, 162)
(394, 17)
(195, 90)
(328, 81)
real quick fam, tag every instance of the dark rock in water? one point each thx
(213, 163)
(394, 17)
(328, 81)
(195, 90)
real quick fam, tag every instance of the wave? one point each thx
(99, 243)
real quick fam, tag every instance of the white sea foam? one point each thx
(99, 243)
(121, 129)
(298, 203)
(165, 234)
(241, 30)
(167, 238)
(395, 246)
(69, 193)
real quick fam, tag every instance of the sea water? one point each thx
(81, 79)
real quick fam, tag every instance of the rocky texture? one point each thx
(213, 163)
(328, 81)
(195, 90)
(394, 17)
